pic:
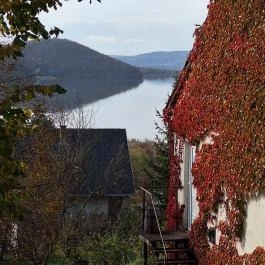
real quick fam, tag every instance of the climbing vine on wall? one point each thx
(174, 183)
(222, 95)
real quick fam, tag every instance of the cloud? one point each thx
(98, 38)
(113, 39)
(134, 40)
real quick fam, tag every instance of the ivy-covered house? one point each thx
(216, 117)
(182, 155)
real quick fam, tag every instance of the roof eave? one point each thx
(173, 97)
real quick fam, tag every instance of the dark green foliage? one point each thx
(157, 169)
(86, 74)
(115, 244)
(60, 58)
(140, 153)
(15, 122)
(19, 21)
(150, 165)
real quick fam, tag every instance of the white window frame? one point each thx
(191, 190)
(176, 144)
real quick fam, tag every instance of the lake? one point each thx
(133, 109)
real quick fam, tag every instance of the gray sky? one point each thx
(129, 27)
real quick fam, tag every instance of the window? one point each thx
(176, 144)
(212, 235)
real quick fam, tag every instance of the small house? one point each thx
(107, 179)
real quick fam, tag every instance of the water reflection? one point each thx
(134, 109)
(84, 91)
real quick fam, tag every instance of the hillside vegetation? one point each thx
(63, 58)
(86, 74)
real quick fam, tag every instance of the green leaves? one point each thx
(19, 22)
(19, 19)
(49, 90)
(55, 31)
(19, 94)
(15, 123)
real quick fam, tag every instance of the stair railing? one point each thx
(157, 221)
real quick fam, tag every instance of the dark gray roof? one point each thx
(106, 166)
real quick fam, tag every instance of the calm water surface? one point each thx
(134, 109)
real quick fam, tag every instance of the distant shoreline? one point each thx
(153, 74)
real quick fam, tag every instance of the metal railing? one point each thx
(156, 217)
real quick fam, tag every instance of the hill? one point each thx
(159, 60)
(86, 74)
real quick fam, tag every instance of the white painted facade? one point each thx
(93, 206)
(254, 234)
(255, 225)
(187, 195)
(255, 221)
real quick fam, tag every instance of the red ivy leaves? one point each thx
(223, 91)
(174, 183)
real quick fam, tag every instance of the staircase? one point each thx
(176, 248)
(164, 247)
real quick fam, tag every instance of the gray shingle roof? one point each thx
(106, 166)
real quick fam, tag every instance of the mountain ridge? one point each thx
(86, 74)
(59, 57)
(172, 60)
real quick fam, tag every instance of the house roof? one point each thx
(106, 166)
(178, 86)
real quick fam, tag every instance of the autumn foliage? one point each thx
(221, 94)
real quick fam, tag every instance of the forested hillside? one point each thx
(86, 74)
(64, 58)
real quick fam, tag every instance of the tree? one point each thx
(115, 243)
(56, 163)
(15, 123)
(53, 168)
(161, 165)
(18, 23)
(140, 153)
(157, 166)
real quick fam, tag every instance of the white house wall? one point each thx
(184, 194)
(254, 224)
(98, 205)
(254, 235)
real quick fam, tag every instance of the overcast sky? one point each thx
(129, 27)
